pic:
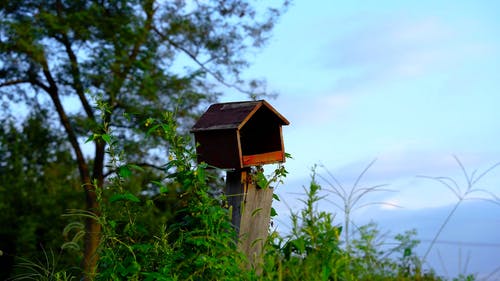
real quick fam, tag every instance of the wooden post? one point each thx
(236, 136)
(251, 214)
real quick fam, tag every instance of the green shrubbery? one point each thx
(197, 241)
(314, 250)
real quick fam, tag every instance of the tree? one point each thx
(37, 184)
(140, 57)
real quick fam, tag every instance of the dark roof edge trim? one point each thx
(217, 127)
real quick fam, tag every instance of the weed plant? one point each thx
(463, 193)
(199, 243)
(351, 197)
(314, 249)
(47, 269)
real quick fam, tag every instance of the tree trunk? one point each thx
(92, 237)
(92, 226)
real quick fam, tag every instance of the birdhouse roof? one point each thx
(233, 115)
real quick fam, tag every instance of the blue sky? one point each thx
(409, 83)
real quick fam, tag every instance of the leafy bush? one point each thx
(198, 242)
(314, 250)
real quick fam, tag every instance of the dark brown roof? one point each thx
(232, 115)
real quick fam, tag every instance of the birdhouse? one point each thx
(235, 135)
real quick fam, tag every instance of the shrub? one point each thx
(197, 244)
(314, 250)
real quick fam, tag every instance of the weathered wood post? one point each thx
(251, 213)
(237, 136)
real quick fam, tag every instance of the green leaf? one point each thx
(106, 138)
(124, 197)
(407, 252)
(325, 273)
(91, 138)
(124, 171)
(163, 189)
(273, 212)
(135, 167)
(200, 173)
(152, 129)
(133, 268)
(276, 197)
(261, 180)
(166, 127)
(299, 244)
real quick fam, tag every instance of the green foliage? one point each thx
(198, 243)
(314, 250)
(47, 269)
(275, 178)
(37, 185)
(145, 58)
(142, 58)
(351, 197)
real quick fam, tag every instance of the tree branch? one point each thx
(14, 82)
(75, 73)
(144, 164)
(41, 85)
(53, 92)
(74, 70)
(217, 76)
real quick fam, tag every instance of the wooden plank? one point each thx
(254, 226)
(263, 158)
(251, 214)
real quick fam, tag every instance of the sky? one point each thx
(411, 85)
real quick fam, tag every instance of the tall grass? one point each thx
(314, 249)
(465, 191)
(351, 196)
(43, 270)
